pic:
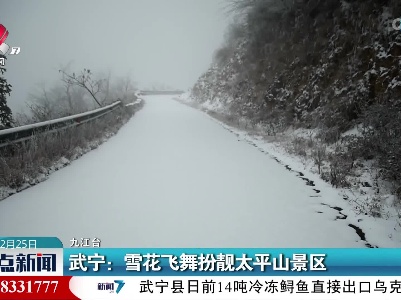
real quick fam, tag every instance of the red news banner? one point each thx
(36, 287)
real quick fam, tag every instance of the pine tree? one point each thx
(5, 112)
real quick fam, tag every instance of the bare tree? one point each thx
(41, 107)
(85, 81)
(105, 88)
(80, 102)
(46, 104)
(68, 88)
(128, 87)
(124, 89)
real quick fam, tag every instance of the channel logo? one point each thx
(111, 287)
(3, 46)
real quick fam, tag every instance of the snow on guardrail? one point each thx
(138, 101)
(21, 133)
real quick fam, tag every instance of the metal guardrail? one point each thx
(145, 93)
(21, 133)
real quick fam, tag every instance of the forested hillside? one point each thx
(330, 66)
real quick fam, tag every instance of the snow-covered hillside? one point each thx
(321, 80)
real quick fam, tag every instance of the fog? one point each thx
(153, 41)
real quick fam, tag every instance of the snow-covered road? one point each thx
(173, 177)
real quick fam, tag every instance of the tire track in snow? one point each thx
(308, 182)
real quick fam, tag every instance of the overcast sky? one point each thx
(164, 41)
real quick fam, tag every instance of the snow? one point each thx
(394, 83)
(138, 101)
(354, 131)
(339, 92)
(174, 177)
